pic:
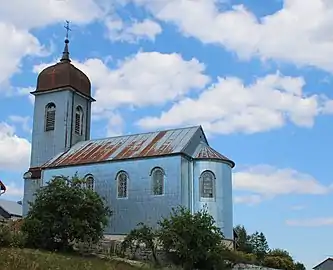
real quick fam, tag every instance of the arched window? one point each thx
(122, 182)
(157, 177)
(78, 120)
(207, 184)
(50, 110)
(90, 183)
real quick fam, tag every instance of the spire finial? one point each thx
(65, 54)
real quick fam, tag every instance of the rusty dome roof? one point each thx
(63, 74)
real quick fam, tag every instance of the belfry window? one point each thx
(122, 183)
(78, 120)
(207, 185)
(157, 177)
(50, 111)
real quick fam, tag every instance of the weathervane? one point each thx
(67, 29)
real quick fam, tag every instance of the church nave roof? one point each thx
(158, 143)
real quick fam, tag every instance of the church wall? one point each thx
(30, 188)
(46, 145)
(220, 207)
(186, 183)
(141, 205)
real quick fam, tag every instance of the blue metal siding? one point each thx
(141, 205)
(46, 145)
(220, 207)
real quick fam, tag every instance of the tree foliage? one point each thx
(256, 250)
(243, 240)
(142, 235)
(194, 239)
(64, 212)
(259, 244)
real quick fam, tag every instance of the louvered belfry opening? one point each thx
(50, 117)
(78, 120)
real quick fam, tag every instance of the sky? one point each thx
(257, 75)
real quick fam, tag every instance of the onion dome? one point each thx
(63, 75)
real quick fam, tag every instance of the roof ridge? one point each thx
(141, 133)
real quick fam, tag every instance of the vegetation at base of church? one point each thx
(256, 245)
(192, 241)
(27, 259)
(63, 213)
(142, 235)
(11, 236)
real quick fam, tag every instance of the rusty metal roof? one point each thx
(204, 151)
(125, 147)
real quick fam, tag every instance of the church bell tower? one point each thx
(61, 118)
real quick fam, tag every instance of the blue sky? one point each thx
(256, 74)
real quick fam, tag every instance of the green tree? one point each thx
(143, 234)
(299, 266)
(280, 259)
(260, 246)
(64, 212)
(193, 239)
(243, 240)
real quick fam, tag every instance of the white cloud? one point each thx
(118, 30)
(25, 91)
(115, 125)
(145, 79)
(14, 151)
(13, 191)
(287, 35)
(265, 182)
(311, 222)
(16, 44)
(248, 199)
(40, 13)
(230, 106)
(24, 121)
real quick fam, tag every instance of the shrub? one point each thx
(194, 239)
(5, 235)
(63, 213)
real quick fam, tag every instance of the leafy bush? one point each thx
(142, 235)
(10, 237)
(5, 235)
(194, 239)
(63, 212)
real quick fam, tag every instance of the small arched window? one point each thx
(78, 120)
(50, 111)
(207, 184)
(157, 177)
(122, 183)
(90, 183)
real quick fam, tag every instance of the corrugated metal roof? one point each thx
(204, 151)
(11, 207)
(125, 147)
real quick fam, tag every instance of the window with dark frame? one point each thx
(122, 181)
(157, 181)
(50, 111)
(207, 181)
(90, 182)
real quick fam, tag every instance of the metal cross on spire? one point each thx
(67, 29)
(65, 54)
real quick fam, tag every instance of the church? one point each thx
(141, 176)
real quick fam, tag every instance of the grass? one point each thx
(27, 259)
